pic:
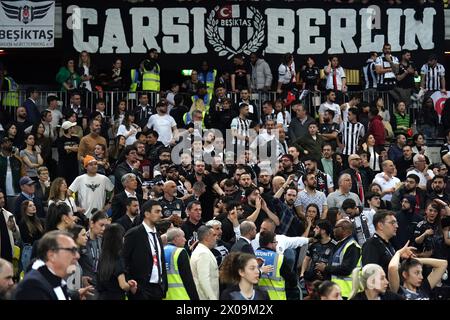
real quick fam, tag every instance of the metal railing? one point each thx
(9, 101)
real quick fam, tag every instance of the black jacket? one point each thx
(137, 256)
(121, 169)
(126, 222)
(37, 285)
(233, 293)
(366, 179)
(349, 262)
(119, 205)
(376, 250)
(242, 246)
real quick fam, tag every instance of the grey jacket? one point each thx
(261, 75)
(297, 129)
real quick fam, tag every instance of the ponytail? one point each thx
(356, 282)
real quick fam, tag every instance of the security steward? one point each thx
(282, 279)
(345, 257)
(179, 275)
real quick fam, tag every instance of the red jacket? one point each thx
(376, 128)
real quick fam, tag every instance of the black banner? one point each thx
(186, 33)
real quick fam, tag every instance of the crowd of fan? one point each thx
(352, 187)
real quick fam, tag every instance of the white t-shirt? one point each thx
(284, 121)
(91, 191)
(124, 132)
(57, 116)
(163, 125)
(331, 106)
(9, 180)
(286, 74)
(385, 185)
(284, 242)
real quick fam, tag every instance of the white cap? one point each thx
(68, 124)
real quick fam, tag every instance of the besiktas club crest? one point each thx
(225, 27)
(26, 13)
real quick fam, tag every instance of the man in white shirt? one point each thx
(284, 242)
(91, 188)
(386, 180)
(421, 170)
(164, 124)
(330, 104)
(57, 116)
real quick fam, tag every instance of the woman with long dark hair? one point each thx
(372, 155)
(11, 132)
(240, 272)
(31, 229)
(312, 215)
(119, 114)
(128, 129)
(111, 282)
(31, 156)
(413, 285)
(45, 145)
(59, 217)
(67, 76)
(116, 150)
(419, 146)
(325, 290)
(58, 194)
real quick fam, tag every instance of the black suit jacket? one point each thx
(42, 194)
(137, 256)
(242, 246)
(35, 287)
(119, 204)
(126, 222)
(121, 169)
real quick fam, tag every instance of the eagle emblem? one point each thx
(93, 186)
(26, 14)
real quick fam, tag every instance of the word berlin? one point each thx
(232, 29)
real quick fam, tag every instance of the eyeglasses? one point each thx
(393, 222)
(73, 250)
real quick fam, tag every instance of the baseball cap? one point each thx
(87, 160)
(68, 124)
(26, 180)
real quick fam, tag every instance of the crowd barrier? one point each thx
(312, 100)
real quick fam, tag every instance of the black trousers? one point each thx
(148, 291)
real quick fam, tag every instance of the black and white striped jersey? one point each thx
(351, 133)
(433, 76)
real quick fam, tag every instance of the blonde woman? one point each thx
(371, 283)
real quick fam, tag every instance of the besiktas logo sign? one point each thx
(227, 17)
(26, 24)
(26, 13)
